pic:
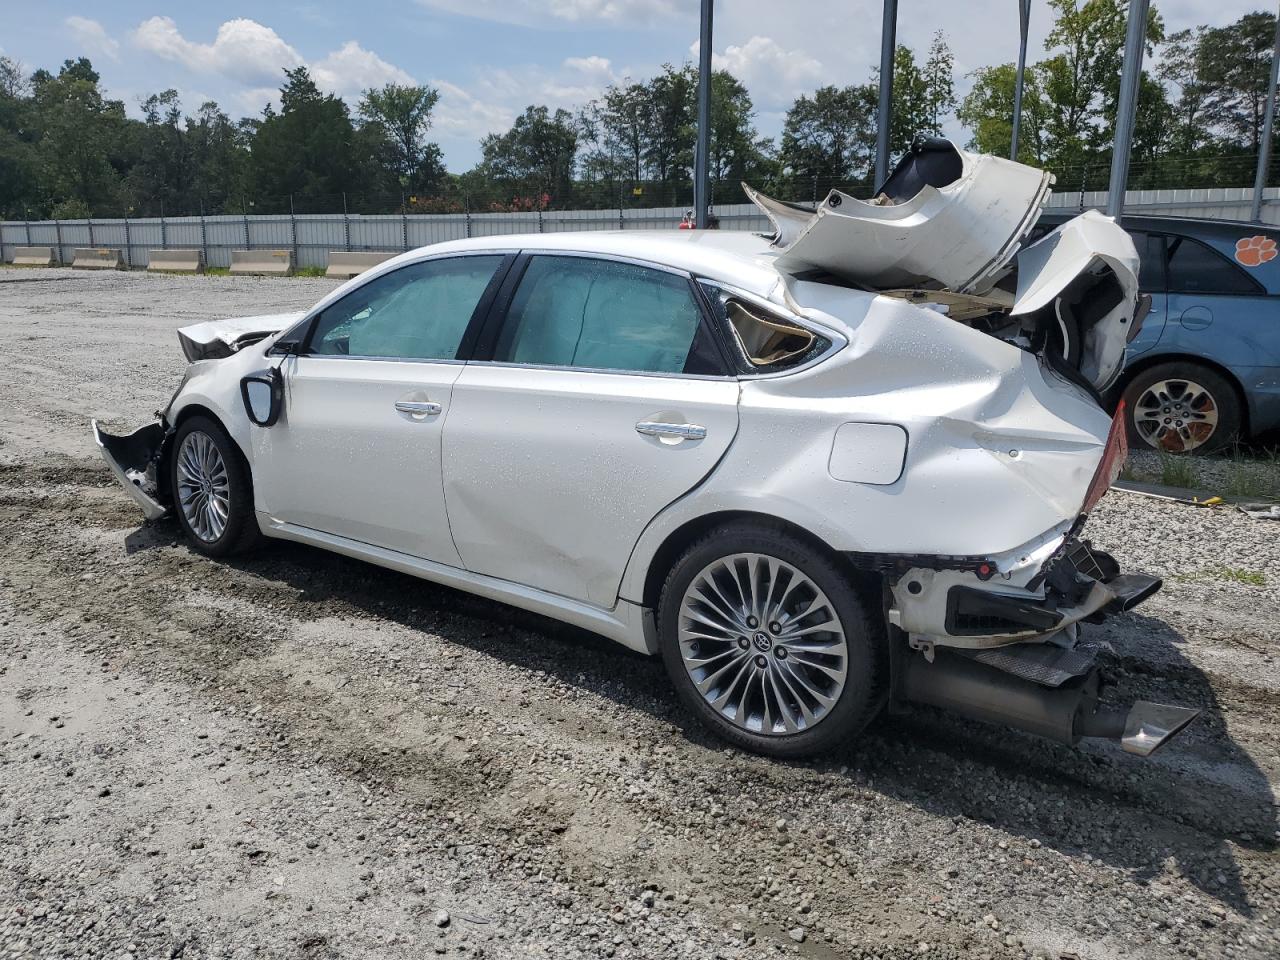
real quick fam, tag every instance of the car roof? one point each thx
(735, 257)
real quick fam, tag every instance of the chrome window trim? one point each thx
(599, 370)
(837, 339)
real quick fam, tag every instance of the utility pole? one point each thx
(1024, 16)
(1135, 42)
(1264, 149)
(702, 150)
(884, 116)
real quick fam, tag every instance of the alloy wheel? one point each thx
(1176, 415)
(762, 644)
(204, 490)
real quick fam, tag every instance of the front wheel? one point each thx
(212, 491)
(770, 643)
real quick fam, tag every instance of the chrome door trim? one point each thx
(681, 431)
(419, 409)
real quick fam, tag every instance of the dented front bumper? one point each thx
(134, 459)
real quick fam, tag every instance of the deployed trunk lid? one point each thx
(945, 230)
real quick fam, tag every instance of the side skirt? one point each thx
(623, 624)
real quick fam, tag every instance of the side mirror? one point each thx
(263, 396)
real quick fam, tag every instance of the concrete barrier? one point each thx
(97, 258)
(174, 261)
(34, 257)
(343, 263)
(347, 264)
(277, 262)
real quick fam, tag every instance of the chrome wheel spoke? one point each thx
(204, 488)
(762, 644)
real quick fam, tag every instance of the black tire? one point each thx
(1206, 383)
(860, 618)
(240, 532)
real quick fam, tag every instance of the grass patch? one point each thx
(309, 272)
(1177, 471)
(217, 271)
(1250, 578)
(1253, 475)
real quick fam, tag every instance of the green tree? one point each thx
(1233, 68)
(306, 151)
(536, 155)
(830, 135)
(398, 117)
(987, 110)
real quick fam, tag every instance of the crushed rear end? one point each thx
(993, 635)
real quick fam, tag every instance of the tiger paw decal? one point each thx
(1254, 251)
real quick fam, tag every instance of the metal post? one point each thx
(404, 223)
(27, 224)
(57, 232)
(1264, 148)
(1135, 41)
(622, 224)
(467, 204)
(702, 150)
(90, 222)
(244, 214)
(346, 226)
(540, 213)
(884, 115)
(293, 231)
(1024, 16)
(164, 231)
(128, 245)
(204, 238)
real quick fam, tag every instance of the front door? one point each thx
(357, 450)
(605, 401)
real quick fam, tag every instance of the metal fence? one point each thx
(310, 237)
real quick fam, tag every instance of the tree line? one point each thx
(67, 151)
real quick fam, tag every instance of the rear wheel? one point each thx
(212, 491)
(770, 643)
(1182, 408)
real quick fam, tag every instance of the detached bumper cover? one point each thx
(133, 459)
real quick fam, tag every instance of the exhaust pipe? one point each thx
(1064, 713)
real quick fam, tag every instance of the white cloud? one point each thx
(563, 13)
(255, 55)
(593, 66)
(462, 115)
(93, 37)
(244, 49)
(773, 74)
(352, 69)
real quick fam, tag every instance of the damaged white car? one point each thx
(835, 470)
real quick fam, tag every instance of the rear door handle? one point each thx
(680, 431)
(419, 409)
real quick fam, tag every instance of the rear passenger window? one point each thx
(1151, 255)
(1197, 268)
(606, 315)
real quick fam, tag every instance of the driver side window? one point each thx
(419, 312)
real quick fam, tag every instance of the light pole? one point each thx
(884, 116)
(1264, 148)
(1135, 42)
(1024, 15)
(702, 150)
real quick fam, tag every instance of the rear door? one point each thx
(1151, 281)
(597, 398)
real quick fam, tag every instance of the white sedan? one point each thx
(838, 468)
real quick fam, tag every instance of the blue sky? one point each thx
(491, 58)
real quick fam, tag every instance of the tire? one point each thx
(194, 447)
(772, 724)
(1156, 397)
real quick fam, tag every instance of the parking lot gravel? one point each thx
(298, 755)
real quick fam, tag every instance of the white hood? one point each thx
(214, 339)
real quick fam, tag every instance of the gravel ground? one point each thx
(298, 755)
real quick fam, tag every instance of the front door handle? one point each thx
(419, 409)
(679, 431)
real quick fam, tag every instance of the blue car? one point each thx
(1204, 371)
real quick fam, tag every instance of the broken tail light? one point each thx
(1113, 458)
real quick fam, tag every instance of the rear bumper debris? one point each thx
(134, 460)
